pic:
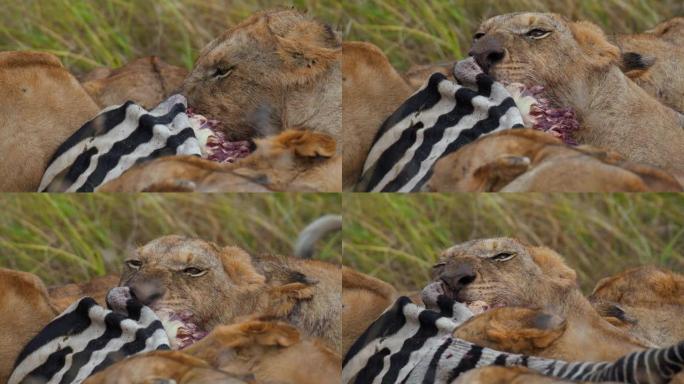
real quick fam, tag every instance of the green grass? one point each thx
(90, 33)
(398, 237)
(65, 238)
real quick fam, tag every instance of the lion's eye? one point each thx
(503, 256)
(478, 35)
(134, 264)
(223, 71)
(537, 33)
(194, 272)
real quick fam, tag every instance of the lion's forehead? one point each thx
(178, 250)
(522, 21)
(483, 247)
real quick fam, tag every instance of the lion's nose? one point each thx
(460, 277)
(147, 292)
(487, 51)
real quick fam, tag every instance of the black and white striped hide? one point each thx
(435, 121)
(117, 139)
(87, 338)
(413, 345)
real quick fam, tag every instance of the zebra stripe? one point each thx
(117, 139)
(87, 338)
(411, 344)
(437, 120)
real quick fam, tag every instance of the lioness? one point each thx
(364, 298)
(62, 296)
(579, 68)
(504, 272)
(276, 70)
(26, 310)
(146, 81)
(646, 301)
(371, 90)
(293, 160)
(535, 332)
(273, 352)
(163, 367)
(211, 285)
(654, 62)
(527, 160)
(41, 105)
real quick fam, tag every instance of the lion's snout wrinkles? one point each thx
(147, 290)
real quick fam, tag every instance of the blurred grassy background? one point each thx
(90, 33)
(67, 238)
(398, 237)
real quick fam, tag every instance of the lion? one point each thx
(535, 332)
(364, 299)
(271, 351)
(505, 272)
(293, 160)
(27, 310)
(580, 69)
(528, 160)
(146, 81)
(653, 61)
(173, 274)
(41, 105)
(164, 367)
(371, 90)
(274, 71)
(62, 296)
(646, 301)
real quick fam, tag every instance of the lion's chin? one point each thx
(181, 327)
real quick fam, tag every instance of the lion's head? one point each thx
(197, 285)
(540, 48)
(500, 272)
(645, 301)
(276, 70)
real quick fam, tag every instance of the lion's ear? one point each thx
(524, 330)
(553, 265)
(599, 52)
(496, 174)
(308, 50)
(238, 265)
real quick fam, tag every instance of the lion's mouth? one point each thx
(214, 144)
(434, 290)
(536, 107)
(182, 327)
